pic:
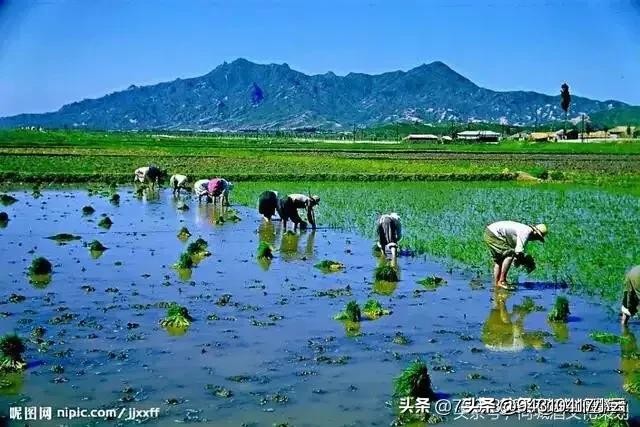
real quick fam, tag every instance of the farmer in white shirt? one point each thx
(507, 241)
(289, 206)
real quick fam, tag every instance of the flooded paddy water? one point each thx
(263, 348)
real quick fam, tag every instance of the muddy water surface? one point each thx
(271, 341)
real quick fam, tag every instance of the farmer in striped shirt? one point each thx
(389, 232)
(506, 241)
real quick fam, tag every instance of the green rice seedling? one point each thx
(351, 329)
(185, 262)
(177, 317)
(525, 262)
(607, 420)
(386, 272)
(7, 199)
(607, 338)
(400, 339)
(632, 383)
(88, 210)
(432, 283)
(36, 194)
(96, 246)
(414, 382)
(63, 238)
(198, 248)
(329, 266)
(527, 306)
(184, 234)
(105, 222)
(40, 266)
(11, 349)
(560, 311)
(115, 199)
(4, 217)
(351, 312)
(265, 251)
(373, 309)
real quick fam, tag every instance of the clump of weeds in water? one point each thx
(88, 210)
(36, 194)
(412, 383)
(185, 262)
(401, 339)
(7, 200)
(63, 238)
(198, 248)
(329, 266)
(96, 246)
(177, 317)
(351, 313)
(432, 282)
(386, 273)
(115, 199)
(560, 311)
(373, 309)
(11, 349)
(265, 251)
(184, 234)
(40, 266)
(105, 222)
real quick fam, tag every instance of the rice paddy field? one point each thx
(156, 301)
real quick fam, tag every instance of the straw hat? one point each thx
(541, 230)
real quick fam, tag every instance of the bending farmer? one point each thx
(289, 210)
(506, 241)
(220, 187)
(268, 204)
(630, 298)
(389, 232)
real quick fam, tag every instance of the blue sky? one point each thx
(54, 52)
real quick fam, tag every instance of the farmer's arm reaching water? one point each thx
(311, 217)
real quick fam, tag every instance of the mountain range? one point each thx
(245, 95)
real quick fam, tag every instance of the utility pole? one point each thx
(583, 127)
(354, 132)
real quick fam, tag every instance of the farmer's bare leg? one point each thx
(624, 319)
(496, 273)
(506, 264)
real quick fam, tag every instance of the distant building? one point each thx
(570, 134)
(601, 134)
(543, 136)
(421, 137)
(520, 136)
(479, 135)
(622, 131)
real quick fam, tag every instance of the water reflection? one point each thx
(40, 281)
(290, 242)
(11, 383)
(629, 362)
(504, 330)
